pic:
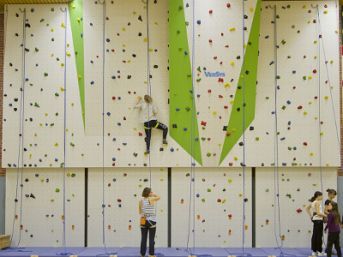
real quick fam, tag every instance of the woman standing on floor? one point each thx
(147, 211)
(315, 210)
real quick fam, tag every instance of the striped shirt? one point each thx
(148, 210)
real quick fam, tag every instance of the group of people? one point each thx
(328, 215)
(319, 216)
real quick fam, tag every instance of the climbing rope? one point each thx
(20, 158)
(148, 78)
(277, 205)
(65, 11)
(319, 102)
(191, 206)
(328, 81)
(103, 123)
(243, 164)
(103, 205)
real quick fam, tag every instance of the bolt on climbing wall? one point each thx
(37, 220)
(220, 75)
(297, 186)
(123, 189)
(218, 200)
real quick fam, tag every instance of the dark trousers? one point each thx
(333, 240)
(317, 236)
(148, 228)
(148, 126)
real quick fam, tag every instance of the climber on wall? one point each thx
(148, 112)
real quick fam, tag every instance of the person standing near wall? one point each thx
(148, 112)
(147, 211)
(315, 211)
(331, 199)
(333, 226)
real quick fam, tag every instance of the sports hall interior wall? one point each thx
(218, 184)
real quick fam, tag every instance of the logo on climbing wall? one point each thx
(216, 74)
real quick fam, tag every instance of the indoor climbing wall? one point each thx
(106, 76)
(213, 40)
(125, 66)
(307, 87)
(122, 192)
(218, 201)
(86, 117)
(38, 114)
(296, 187)
(39, 221)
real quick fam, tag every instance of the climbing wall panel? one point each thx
(298, 80)
(218, 207)
(42, 207)
(218, 59)
(297, 185)
(123, 190)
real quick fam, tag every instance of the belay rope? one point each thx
(64, 253)
(20, 158)
(191, 206)
(103, 205)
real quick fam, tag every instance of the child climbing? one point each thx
(315, 211)
(333, 226)
(148, 112)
